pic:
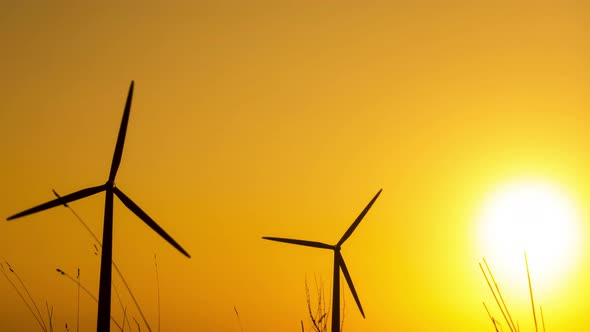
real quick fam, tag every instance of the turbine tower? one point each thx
(110, 189)
(338, 264)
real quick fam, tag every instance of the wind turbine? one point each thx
(104, 292)
(338, 264)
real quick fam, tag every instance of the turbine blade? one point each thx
(60, 201)
(121, 138)
(300, 242)
(358, 220)
(148, 220)
(350, 284)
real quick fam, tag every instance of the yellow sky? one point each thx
(284, 119)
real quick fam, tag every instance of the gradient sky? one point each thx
(284, 119)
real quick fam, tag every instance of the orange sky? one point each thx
(284, 119)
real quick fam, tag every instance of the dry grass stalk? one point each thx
(542, 318)
(136, 322)
(499, 293)
(319, 319)
(158, 287)
(496, 298)
(528, 274)
(491, 317)
(28, 294)
(78, 307)
(238, 318)
(50, 315)
(63, 273)
(39, 318)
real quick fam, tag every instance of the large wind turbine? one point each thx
(338, 264)
(104, 292)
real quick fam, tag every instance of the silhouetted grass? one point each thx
(63, 273)
(50, 315)
(528, 274)
(502, 305)
(28, 293)
(542, 318)
(118, 295)
(318, 319)
(491, 317)
(124, 318)
(238, 318)
(158, 287)
(136, 322)
(38, 316)
(78, 305)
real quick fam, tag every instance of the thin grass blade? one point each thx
(158, 288)
(22, 283)
(542, 318)
(528, 274)
(496, 298)
(491, 317)
(499, 293)
(38, 319)
(63, 273)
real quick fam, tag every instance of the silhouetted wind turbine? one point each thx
(338, 264)
(104, 292)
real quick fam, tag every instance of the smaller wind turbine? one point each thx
(338, 264)
(111, 190)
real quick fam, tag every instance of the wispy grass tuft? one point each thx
(123, 308)
(124, 318)
(78, 305)
(136, 322)
(158, 288)
(28, 293)
(528, 274)
(502, 305)
(502, 310)
(542, 318)
(63, 273)
(238, 318)
(319, 319)
(38, 319)
(491, 317)
(499, 293)
(50, 315)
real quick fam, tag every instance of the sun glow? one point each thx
(535, 216)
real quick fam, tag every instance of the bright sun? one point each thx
(534, 216)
